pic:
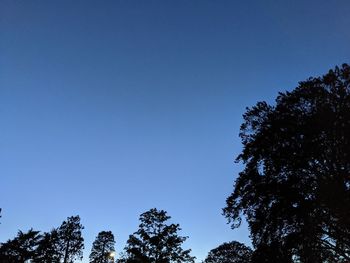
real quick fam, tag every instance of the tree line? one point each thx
(294, 192)
(156, 240)
(62, 244)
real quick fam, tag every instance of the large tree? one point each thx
(103, 248)
(156, 241)
(231, 252)
(21, 248)
(71, 242)
(294, 190)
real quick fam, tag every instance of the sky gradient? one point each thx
(110, 108)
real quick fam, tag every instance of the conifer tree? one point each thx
(156, 241)
(71, 242)
(103, 248)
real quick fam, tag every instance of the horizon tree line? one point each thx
(156, 240)
(294, 192)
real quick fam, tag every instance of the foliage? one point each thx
(295, 187)
(71, 242)
(156, 241)
(64, 244)
(21, 248)
(48, 250)
(232, 252)
(103, 248)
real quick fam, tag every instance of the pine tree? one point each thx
(71, 242)
(103, 248)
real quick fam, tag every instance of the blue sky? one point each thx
(110, 108)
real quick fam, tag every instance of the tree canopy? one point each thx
(48, 249)
(21, 248)
(64, 244)
(294, 190)
(156, 241)
(103, 248)
(71, 241)
(232, 252)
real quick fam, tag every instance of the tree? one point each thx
(103, 248)
(232, 252)
(21, 248)
(156, 241)
(48, 250)
(294, 189)
(71, 242)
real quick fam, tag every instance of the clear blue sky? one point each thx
(110, 108)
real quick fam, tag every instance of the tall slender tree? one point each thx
(103, 248)
(71, 242)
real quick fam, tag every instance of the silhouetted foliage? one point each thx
(103, 248)
(64, 244)
(272, 253)
(21, 248)
(232, 252)
(156, 241)
(71, 242)
(295, 187)
(48, 249)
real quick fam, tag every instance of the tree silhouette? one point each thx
(21, 248)
(232, 252)
(156, 241)
(71, 242)
(48, 250)
(103, 248)
(295, 187)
